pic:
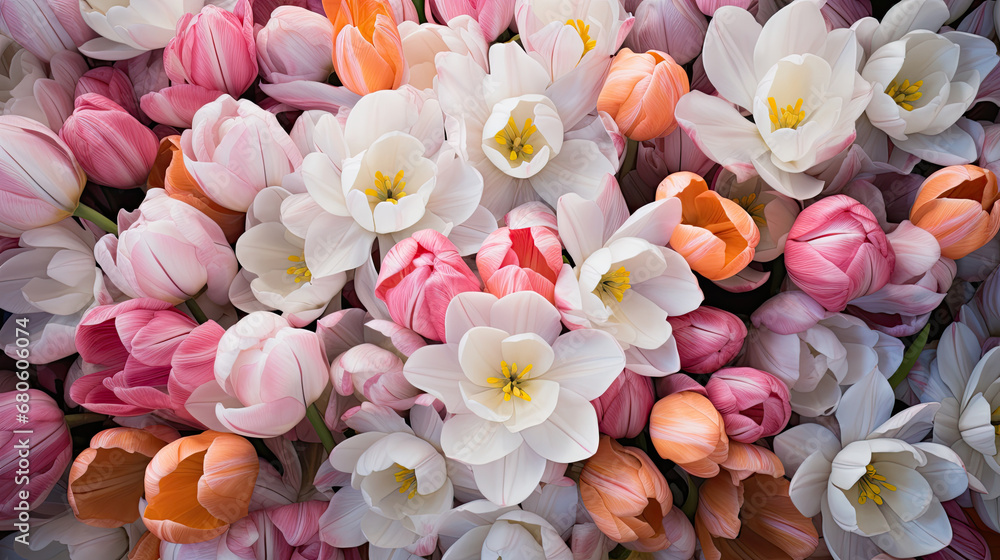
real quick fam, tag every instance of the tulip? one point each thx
(130, 29)
(114, 148)
(296, 44)
(49, 450)
(707, 338)
(753, 403)
(111, 83)
(177, 105)
(623, 410)
(419, 278)
(493, 16)
(368, 52)
(687, 429)
(197, 485)
(45, 27)
(958, 205)
(421, 43)
(40, 179)
(836, 251)
(967, 540)
(843, 13)
(27, 90)
(773, 213)
(641, 92)
(374, 373)
(514, 260)
(708, 7)
(106, 479)
(716, 236)
(676, 27)
(214, 49)
(626, 495)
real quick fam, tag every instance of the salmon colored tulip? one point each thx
(197, 485)
(106, 479)
(626, 495)
(716, 236)
(641, 92)
(958, 205)
(368, 50)
(687, 429)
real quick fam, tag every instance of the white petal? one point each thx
(473, 440)
(587, 362)
(721, 132)
(728, 58)
(864, 407)
(511, 479)
(436, 370)
(526, 312)
(570, 434)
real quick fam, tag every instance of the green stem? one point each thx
(690, 504)
(74, 420)
(631, 153)
(419, 5)
(910, 357)
(514, 38)
(316, 419)
(88, 213)
(196, 311)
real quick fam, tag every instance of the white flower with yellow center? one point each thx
(519, 393)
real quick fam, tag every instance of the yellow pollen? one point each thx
(516, 141)
(754, 208)
(904, 94)
(511, 380)
(869, 486)
(387, 189)
(299, 271)
(615, 283)
(584, 31)
(407, 480)
(786, 117)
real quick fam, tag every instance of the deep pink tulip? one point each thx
(112, 83)
(516, 260)
(214, 49)
(48, 451)
(753, 403)
(623, 410)
(493, 16)
(114, 148)
(418, 280)
(296, 44)
(707, 338)
(836, 251)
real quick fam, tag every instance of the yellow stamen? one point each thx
(785, 117)
(755, 209)
(870, 486)
(407, 480)
(516, 141)
(386, 189)
(615, 283)
(299, 271)
(584, 31)
(511, 380)
(904, 94)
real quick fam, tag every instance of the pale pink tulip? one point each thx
(708, 7)
(42, 456)
(114, 148)
(296, 44)
(176, 105)
(707, 338)
(623, 410)
(145, 72)
(263, 10)
(168, 250)
(676, 27)
(45, 27)
(29, 89)
(753, 403)
(111, 83)
(374, 373)
(419, 278)
(422, 43)
(514, 260)
(494, 16)
(214, 49)
(836, 251)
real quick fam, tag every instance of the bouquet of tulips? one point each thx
(513, 279)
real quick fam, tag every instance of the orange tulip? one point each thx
(716, 236)
(368, 51)
(688, 430)
(170, 174)
(626, 495)
(958, 206)
(106, 479)
(641, 93)
(196, 486)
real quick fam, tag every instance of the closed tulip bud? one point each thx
(716, 236)
(514, 260)
(111, 83)
(106, 479)
(197, 485)
(368, 51)
(641, 92)
(419, 278)
(374, 373)
(958, 206)
(687, 429)
(114, 148)
(422, 43)
(45, 27)
(707, 338)
(676, 27)
(836, 251)
(295, 45)
(494, 16)
(49, 449)
(753, 403)
(623, 410)
(214, 49)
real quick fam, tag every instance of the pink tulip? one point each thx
(176, 105)
(263, 10)
(843, 13)
(419, 278)
(375, 374)
(214, 49)
(42, 456)
(753, 403)
(836, 251)
(494, 16)
(708, 7)
(45, 27)
(296, 44)
(515, 260)
(145, 72)
(168, 250)
(967, 542)
(623, 410)
(114, 148)
(707, 338)
(676, 27)
(111, 83)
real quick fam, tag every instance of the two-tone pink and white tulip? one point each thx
(514, 260)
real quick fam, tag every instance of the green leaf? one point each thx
(910, 357)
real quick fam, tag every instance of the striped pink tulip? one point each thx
(623, 410)
(707, 338)
(753, 403)
(515, 260)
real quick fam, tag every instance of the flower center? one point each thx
(904, 93)
(870, 486)
(583, 30)
(785, 117)
(511, 381)
(299, 271)
(615, 283)
(387, 189)
(517, 140)
(754, 208)
(407, 480)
